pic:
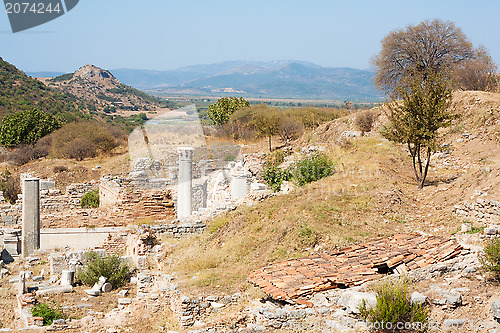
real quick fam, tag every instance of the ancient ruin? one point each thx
(354, 265)
(31, 216)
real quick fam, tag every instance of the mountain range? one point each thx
(275, 79)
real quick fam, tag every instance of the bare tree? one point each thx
(429, 46)
(477, 73)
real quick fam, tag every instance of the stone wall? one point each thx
(130, 202)
(481, 209)
(153, 204)
(68, 261)
(178, 230)
(51, 200)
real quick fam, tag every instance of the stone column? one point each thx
(67, 278)
(31, 216)
(184, 189)
(238, 185)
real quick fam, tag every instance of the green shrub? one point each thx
(47, 312)
(491, 257)
(90, 199)
(311, 169)
(308, 169)
(394, 306)
(110, 266)
(307, 235)
(229, 158)
(26, 127)
(274, 177)
(80, 140)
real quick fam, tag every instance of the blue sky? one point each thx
(163, 34)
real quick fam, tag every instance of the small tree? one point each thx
(416, 119)
(26, 127)
(266, 121)
(364, 121)
(220, 112)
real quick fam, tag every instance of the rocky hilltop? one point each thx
(99, 90)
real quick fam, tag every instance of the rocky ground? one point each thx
(378, 196)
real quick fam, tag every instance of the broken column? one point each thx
(67, 278)
(238, 182)
(31, 216)
(184, 189)
(238, 185)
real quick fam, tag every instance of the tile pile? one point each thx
(353, 265)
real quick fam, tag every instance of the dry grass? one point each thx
(7, 303)
(373, 193)
(322, 216)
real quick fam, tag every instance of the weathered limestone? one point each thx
(54, 290)
(31, 216)
(67, 278)
(22, 283)
(107, 287)
(184, 190)
(238, 185)
(96, 289)
(352, 300)
(12, 244)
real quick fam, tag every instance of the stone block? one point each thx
(124, 301)
(67, 278)
(490, 231)
(495, 308)
(418, 298)
(454, 299)
(352, 300)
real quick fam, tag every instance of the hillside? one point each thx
(100, 91)
(90, 93)
(20, 92)
(290, 79)
(372, 194)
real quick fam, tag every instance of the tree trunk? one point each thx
(426, 168)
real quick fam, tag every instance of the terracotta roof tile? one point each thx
(353, 265)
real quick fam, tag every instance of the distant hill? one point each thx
(100, 91)
(278, 79)
(44, 74)
(20, 92)
(90, 93)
